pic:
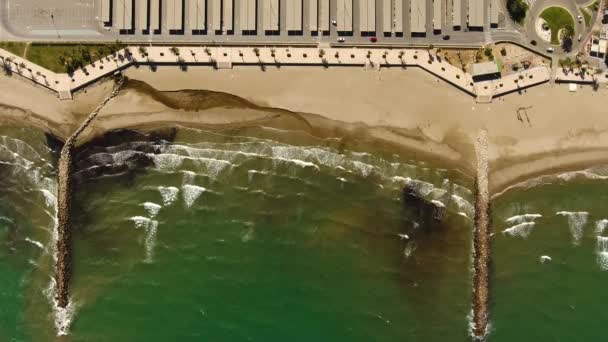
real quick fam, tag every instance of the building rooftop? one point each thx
(486, 68)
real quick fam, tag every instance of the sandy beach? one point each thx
(409, 108)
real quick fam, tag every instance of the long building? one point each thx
(457, 13)
(437, 15)
(476, 9)
(197, 14)
(319, 15)
(494, 12)
(222, 14)
(294, 15)
(248, 13)
(105, 11)
(271, 15)
(345, 16)
(124, 15)
(154, 16)
(418, 16)
(367, 16)
(175, 12)
(141, 6)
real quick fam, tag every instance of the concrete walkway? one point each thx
(227, 57)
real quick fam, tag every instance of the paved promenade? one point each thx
(227, 57)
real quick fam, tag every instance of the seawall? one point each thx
(64, 199)
(481, 241)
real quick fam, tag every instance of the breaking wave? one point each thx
(576, 223)
(191, 193)
(150, 228)
(169, 194)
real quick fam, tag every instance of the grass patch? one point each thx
(13, 47)
(55, 56)
(587, 16)
(595, 6)
(557, 18)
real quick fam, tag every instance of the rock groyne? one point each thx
(64, 197)
(481, 241)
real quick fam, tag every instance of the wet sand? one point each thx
(559, 131)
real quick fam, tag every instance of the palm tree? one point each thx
(174, 50)
(208, 51)
(256, 51)
(142, 51)
(321, 53)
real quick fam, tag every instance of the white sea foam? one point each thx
(248, 234)
(602, 252)
(191, 193)
(438, 203)
(35, 243)
(600, 226)
(166, 162)
(49, 197)
(576, 223)
(152, 208)
(150, 228)
(409, 249)
(188, 176)
(62, 317)
(298, 162)
(463, 206)
(522, 230)
(517, 219)
(544, 258)
(169, 194)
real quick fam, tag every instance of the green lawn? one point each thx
(587, 16)
(51, 56)
(557, 18)
(595, 6)
(14, 48)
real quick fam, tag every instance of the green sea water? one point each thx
(551, 267)
(266, 235)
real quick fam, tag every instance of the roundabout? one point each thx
(548, 21)
(558, 22)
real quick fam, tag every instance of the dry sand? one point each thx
(410, 108)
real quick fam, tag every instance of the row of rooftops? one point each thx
(200, 16)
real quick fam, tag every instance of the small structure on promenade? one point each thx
(485, 71)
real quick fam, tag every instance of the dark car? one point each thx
(446, 37)
(533, 42)
(373, 39)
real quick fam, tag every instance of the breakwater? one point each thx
(64, 195)
(481, 241)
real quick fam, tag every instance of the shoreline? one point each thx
(408, 109)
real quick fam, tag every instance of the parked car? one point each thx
(341, 39)
(446, 37)
(580, 18)
(373, 39)
(580, 36)
(550, 49)
(335, 23)
(533, 42)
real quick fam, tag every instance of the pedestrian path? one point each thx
(227, 57)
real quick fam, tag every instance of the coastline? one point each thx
(407, 108)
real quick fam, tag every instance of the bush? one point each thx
(503, 52)
(517, 10)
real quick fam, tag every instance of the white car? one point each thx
(580, 18)
(550, 49)
(341, 39)
(334, 22)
